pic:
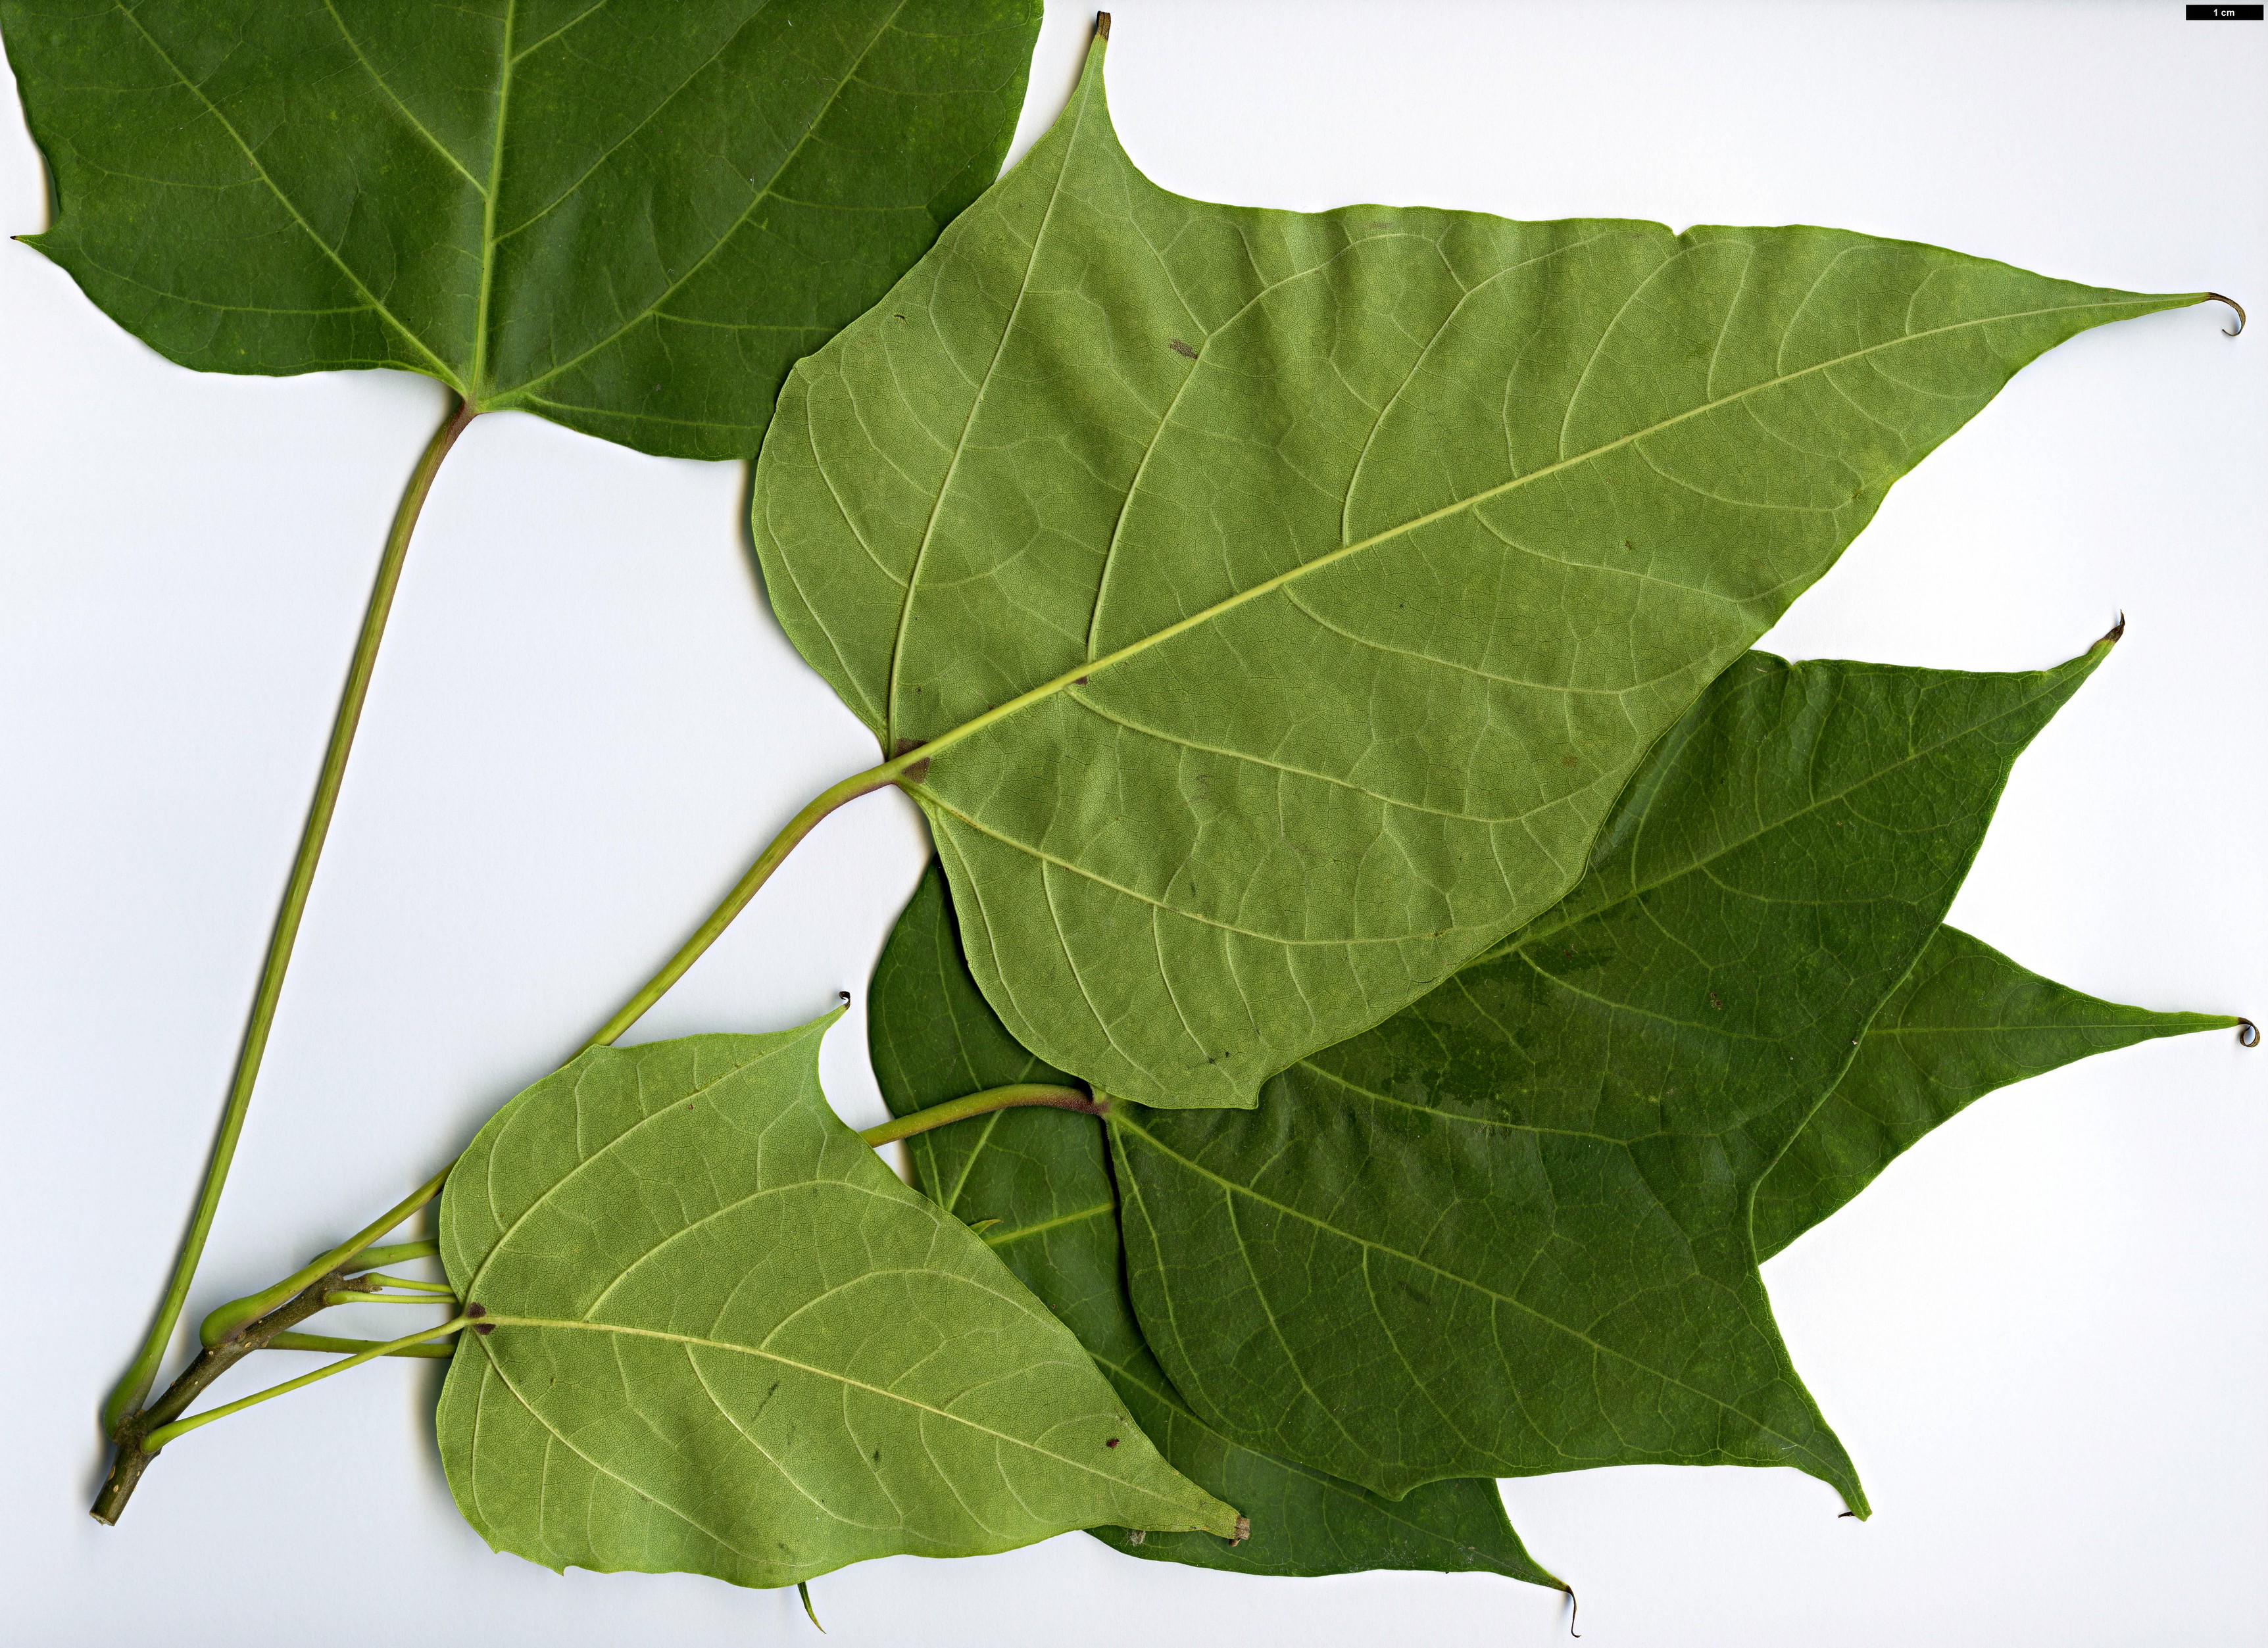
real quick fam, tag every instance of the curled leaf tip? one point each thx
(2214, 296)
(2118, 630)
(2247, 1033)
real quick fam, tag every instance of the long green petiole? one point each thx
(759, 873)
(332, 1341)
(163, 1434)
(396, 1252)
(134, 1384)
(405, 1282)
(982, 1104)
(228, 1318)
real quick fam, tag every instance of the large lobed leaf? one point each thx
(626, 216)
(719, 1335)
(1508, 1232)
(1283, 600)
(1036, 1182)
(1964, 1020)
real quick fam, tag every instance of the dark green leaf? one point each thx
(1967, 1019)
(1508, 1231)
(1284, 598)
(720, 1335)
(628, 217)
(1041, 1175)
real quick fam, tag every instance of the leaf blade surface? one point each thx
(725, 1338)
(1508, 1230)
(628, 217)
(1042, 1175)
(1283, 598)
(1965, 1020)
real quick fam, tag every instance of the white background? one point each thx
(2041, 1334)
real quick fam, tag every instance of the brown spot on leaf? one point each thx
(1180, 348)
(905, 744)
(1112, 1443)
(917, 771)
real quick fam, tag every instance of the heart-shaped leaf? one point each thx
(1283, 600)
(627, 218)
(1967, 1019)
(1035, 1179)
(717, 1335)
(1508, 1232)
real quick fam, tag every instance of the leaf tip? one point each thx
(2247, 1033)
(2209, 298)
(1103, 25)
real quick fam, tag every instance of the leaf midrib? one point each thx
(692, 1341)
(488, 199)
(1078, 673)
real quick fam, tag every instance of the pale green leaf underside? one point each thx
(1967, 1019)
(1508, 1231)
(727, 1340)
(1040, 1175)
(626, 216)
(1285, 597)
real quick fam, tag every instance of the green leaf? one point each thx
(721, 1337)
(1283, 600)
(1967, 1019)
(1041, 1173)
(1508, 1231)
(629, 218)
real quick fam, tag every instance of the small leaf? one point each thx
(1264, 680)
(629, 218)
(719, 1335)
(1038, 1179)
(1967, 1019)
(1508, 1231)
